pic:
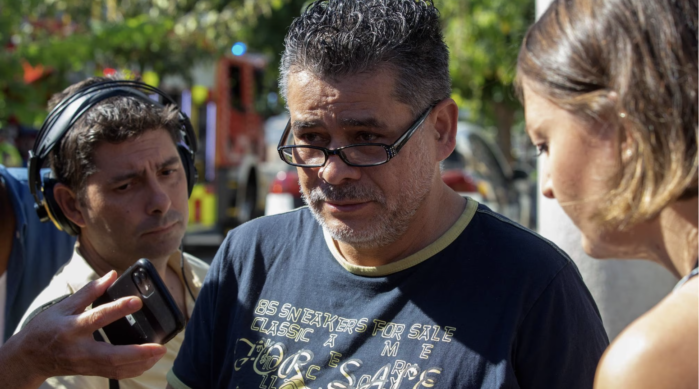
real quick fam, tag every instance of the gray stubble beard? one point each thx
(391, 224)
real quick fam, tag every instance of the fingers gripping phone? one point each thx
(158, 321)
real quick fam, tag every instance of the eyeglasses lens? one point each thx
(304, 156)
(365, 155)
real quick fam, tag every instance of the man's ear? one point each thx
(446, 115)
(70, 204)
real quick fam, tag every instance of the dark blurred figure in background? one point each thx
(25, 140)
(610, 93)
(30, 251)
(9, 154)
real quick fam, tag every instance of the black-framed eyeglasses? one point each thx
(359, 155)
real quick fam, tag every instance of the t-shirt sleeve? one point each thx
(561, 338)
(192, 367)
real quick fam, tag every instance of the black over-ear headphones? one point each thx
(67, 113)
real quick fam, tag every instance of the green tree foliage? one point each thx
(169, 36)
(484, 38)
(14, 93)
(69, 36)
(267, 35)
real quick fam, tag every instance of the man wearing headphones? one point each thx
(121, 173)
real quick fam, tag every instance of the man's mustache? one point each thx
(347, 192)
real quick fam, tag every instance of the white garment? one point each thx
(3, 301)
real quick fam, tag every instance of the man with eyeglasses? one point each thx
(388, 279)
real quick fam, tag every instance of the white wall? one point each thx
(623, 290)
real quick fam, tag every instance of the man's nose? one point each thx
(336, 171)
(158, 198)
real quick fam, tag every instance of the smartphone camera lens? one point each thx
(143, 283)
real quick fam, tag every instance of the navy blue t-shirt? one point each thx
(489, 304)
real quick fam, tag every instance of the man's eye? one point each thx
(168, 172)
(541, 148)
(123, 188)
(309, 138)
(367, 137)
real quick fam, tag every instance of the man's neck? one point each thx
(102, 266)
(438, 213)
(7, 227)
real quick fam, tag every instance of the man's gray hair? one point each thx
(336, 38)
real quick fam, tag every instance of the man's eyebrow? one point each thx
(129, 175)
(347, 122)
(170, 161)
(304, 124)
(123, 177)
(367, 122)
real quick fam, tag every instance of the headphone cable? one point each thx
(184, 277)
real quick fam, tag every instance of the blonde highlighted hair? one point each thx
(633, 62)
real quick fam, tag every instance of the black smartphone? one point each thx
(158, 321)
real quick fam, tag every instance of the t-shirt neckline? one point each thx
(412, 260)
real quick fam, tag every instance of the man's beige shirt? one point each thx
(76, 274)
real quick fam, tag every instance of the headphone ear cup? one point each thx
(189, 170)
(54, 210)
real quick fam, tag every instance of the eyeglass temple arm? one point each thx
(285, 135)
(408, 134)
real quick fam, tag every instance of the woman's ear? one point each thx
(627, 144)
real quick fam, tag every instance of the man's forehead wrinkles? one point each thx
(170, 161)
(132, 172)
(125, 175)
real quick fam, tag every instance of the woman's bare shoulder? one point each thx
(659, 350)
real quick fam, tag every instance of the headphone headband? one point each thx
(67, 116)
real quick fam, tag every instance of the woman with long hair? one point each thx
(610, 95)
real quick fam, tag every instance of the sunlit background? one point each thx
(219, 60)
(194, 49)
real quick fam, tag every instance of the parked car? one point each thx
(498, 186)
(284, 192)
(465, 184)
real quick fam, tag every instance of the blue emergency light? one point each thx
(239, 48)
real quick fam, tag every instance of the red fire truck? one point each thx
(230, 131)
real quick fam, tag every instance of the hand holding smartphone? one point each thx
(157, 322)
